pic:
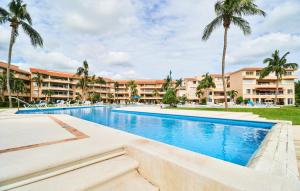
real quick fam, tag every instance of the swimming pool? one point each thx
(230, 140)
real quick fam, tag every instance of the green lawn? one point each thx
(288, 113)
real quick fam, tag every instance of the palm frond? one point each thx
(247, 7)
(211, 27)
(3, 12)
(35, 37)
(242, 24)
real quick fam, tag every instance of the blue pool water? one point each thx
(230, 140)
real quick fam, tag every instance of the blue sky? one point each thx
(145, 39)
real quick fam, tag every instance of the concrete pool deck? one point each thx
(70, 149)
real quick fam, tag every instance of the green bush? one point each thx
(170, 97)
(203, 101)
(239, 100)
(6, 104)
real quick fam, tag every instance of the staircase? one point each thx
(112, 170)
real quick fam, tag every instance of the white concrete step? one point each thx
(61, 168)
(86, 177)
(128, 182)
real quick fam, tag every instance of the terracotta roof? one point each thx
(141, 81)
(13, 67)
(191, 78)
(53, 73)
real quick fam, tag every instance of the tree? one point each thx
(155, 93)
(83, 72)
(48, 94)
(228, 12)
(182, 99)
(178, 83)
(38, 79)
(3, 82)
(279, 66)
(168, 82)
(18, 16)
(199, 92)
(132, 89)
(116, 87)
(206, 83)
(297, 93)
(232, 94)
(95, 97)
(18, 87)
(239, 100)
(170, 97)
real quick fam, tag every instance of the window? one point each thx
(289, 73)
(249, 73)
(290, 101)
(257, 73)
(290, 91)
(194, 82)
(36, 92)
(248, 91)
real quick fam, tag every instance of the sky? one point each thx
(135, 39)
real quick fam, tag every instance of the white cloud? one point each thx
(145, 39)
(254, 51)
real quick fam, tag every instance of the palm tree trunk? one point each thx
(276, 92)
(11, 42)
(223, 67)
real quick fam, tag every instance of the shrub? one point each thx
(239, 100)
(203, 101)
(170, 97)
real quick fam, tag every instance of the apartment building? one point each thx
(213, 95)
(245, 81)
(61, 84)
(17, 74)
(248, 84)
(149, 91)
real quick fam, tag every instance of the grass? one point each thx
(288, 113)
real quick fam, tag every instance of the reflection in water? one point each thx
(231, 143)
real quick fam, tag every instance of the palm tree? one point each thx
(178, 83)
(279, 66)
(155, 94)
(231, 11)
(167, 82)
(38, 78)
(206, 83)
(18, 16)
(232, 94)
(83, 72)
(3, 82)
(48, 94)
(116, 87)
(19, 87)
(132, 88)
(199, 92)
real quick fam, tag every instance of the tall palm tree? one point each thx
(206, 83)
(228, 12)
(83, 72)
(232, 94)
(279, 66)
(168, 82)
(38, 79)
(132, 89)
(18, 16)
